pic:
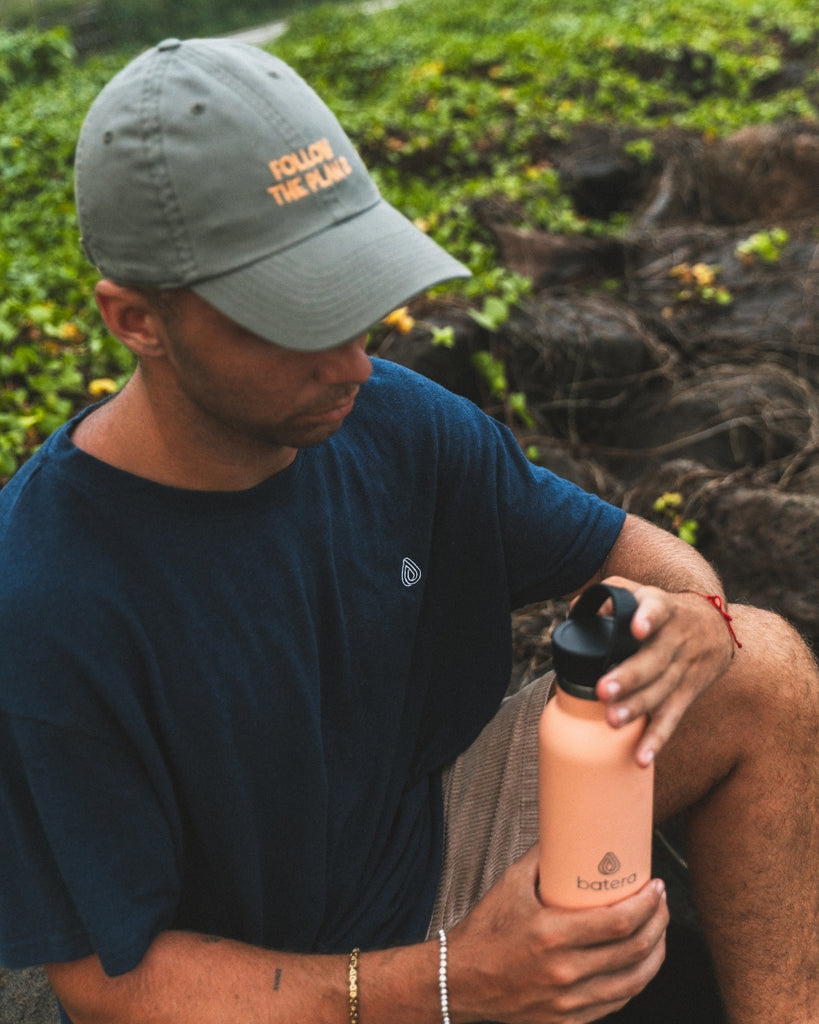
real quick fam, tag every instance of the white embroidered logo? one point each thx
(410, 573)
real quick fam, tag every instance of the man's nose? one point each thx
(344, 364)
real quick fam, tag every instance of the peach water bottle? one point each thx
(595, 800)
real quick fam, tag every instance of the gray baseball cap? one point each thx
(210, 164)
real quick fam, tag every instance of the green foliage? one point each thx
(763, 247)
(641, 149)
(29, 58)
(493, 372)
(52, 342)
(451, 105)
(112, 24)
(669, 510)
(428, 70)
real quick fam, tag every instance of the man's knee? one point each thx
(764, 711)
(774, 666)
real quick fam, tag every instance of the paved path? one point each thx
(264, 34)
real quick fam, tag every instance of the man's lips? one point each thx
(335, 412)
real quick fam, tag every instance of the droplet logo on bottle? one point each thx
(609, 865)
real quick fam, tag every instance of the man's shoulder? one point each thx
(34, 474)
(43, 557)
(411, 400)
(399, 381)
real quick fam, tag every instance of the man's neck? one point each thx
(129, 433)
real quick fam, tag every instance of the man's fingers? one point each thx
(596, 928)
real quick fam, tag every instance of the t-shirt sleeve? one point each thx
(554, 535)
(76, 875)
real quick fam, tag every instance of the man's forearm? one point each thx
(511, 958)
(647, 554)
(187, 978)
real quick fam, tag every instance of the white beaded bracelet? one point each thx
(442, 985)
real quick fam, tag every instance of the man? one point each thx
(255, 615)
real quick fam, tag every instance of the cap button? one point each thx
(169, 44)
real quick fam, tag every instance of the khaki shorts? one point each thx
(490, 804)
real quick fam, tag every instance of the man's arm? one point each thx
(686, 642)
(510, 959)
(186, 977)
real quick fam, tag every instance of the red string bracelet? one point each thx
(717, 602)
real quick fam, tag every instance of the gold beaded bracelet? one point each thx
(352, 974)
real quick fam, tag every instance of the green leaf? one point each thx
(494, 314)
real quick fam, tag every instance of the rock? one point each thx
(763, 540)
(728, 418)
(763, 173)
(550, 259)
(765, 544)
(773, 307)
(581, 360)
(26, 997)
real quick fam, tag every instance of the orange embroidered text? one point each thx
(306, 170)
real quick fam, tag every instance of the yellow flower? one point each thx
(401, 320)
(432, 69)
(70, 332)
(683, 272)
(425, 224)
(102, 386)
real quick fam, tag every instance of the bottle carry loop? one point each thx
(587, 644)
(621, 642)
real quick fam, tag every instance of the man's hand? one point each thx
(685, 647)
(516, 960)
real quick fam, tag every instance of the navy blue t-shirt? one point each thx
(227, 712)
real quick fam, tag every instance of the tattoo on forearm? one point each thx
(277, 980)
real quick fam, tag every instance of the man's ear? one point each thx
(130, 317)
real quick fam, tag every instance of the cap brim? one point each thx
(335, 285)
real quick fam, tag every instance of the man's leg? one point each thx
(745, 760)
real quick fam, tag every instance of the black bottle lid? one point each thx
(586, 645)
